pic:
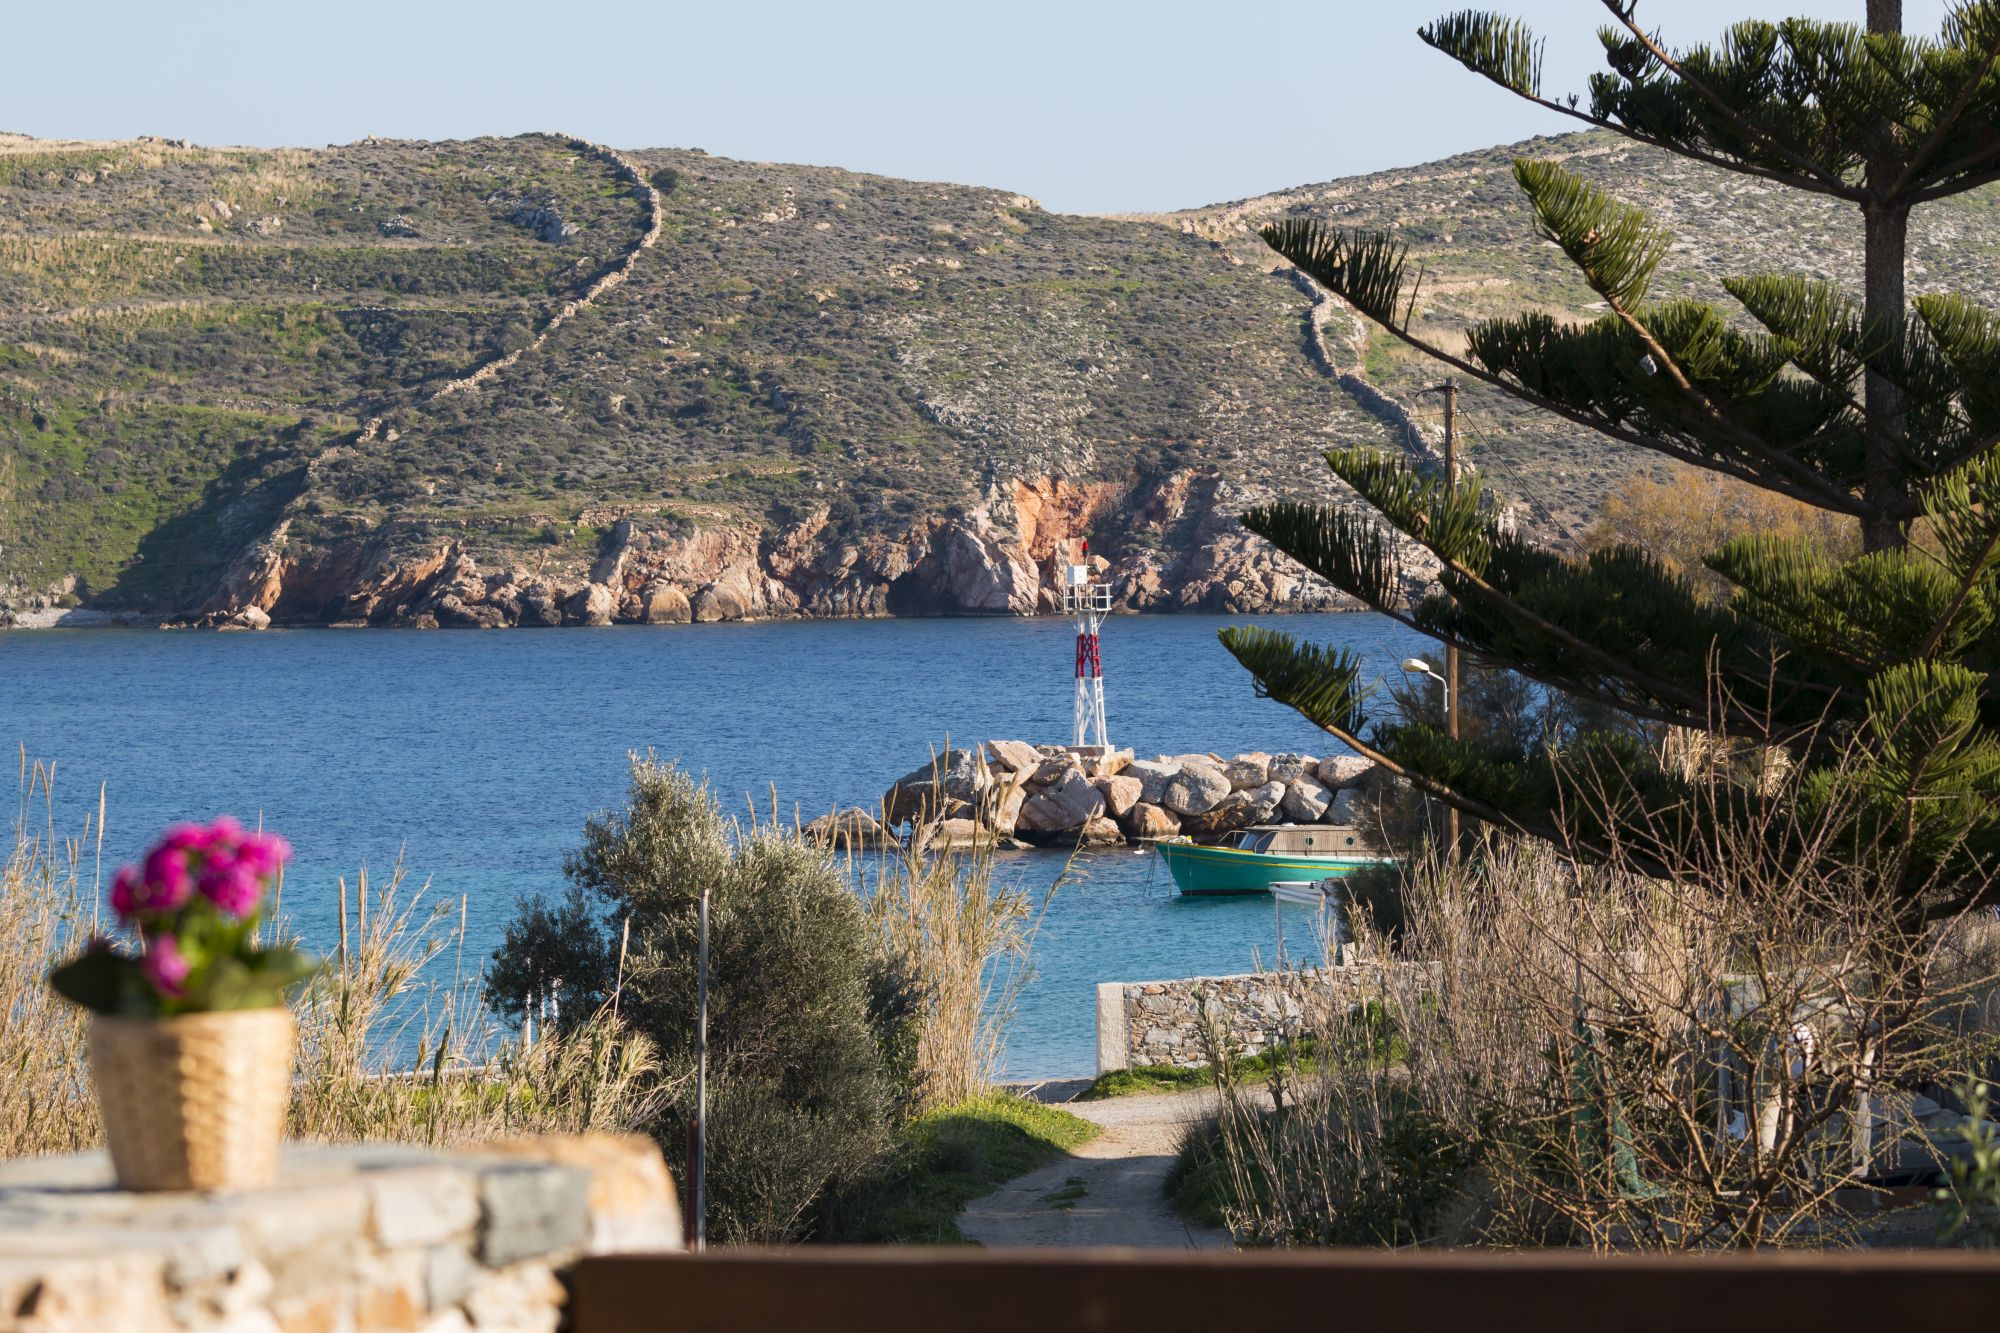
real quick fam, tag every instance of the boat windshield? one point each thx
(1250, 840)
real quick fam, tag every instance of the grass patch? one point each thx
(1064, 1199)
(944, 1160)
(1146, 1078)
(1198, 1184)
(1385, 1046)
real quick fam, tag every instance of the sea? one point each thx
(473, 758)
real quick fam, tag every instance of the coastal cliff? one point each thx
(1174, 545)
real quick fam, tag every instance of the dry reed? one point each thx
(391, 1048)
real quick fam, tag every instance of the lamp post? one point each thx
(1417, 666)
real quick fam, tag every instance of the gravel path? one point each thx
(1110, 1190)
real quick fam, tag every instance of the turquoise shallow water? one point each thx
(477, 756)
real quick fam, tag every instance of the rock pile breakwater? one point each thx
(1012, 793)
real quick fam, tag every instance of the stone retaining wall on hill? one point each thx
(1160, 1022)
(358, 1239)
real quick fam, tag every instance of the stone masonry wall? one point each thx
(1160, 1022)
(350, 1240)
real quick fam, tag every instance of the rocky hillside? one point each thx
(1468, 229)
(538, 381)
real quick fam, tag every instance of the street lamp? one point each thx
(1416, 666)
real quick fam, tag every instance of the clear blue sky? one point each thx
(1089, 105)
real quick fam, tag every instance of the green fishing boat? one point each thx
(1266, 855)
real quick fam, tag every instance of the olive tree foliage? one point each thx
(1882, 411)
(799, 1098)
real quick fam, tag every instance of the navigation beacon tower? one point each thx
(1088, 603)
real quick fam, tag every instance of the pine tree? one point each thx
(1874, 674)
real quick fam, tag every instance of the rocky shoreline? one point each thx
(1169, 543)
(1009, 793)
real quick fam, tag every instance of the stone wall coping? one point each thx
(1335, 971)
(354, 1237)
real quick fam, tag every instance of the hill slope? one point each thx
(536, 381)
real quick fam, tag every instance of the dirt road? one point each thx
(1109, 1191)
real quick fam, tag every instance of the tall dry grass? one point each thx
(47, 886)
(1595, 1056)
(392, 1046)
(961, 939)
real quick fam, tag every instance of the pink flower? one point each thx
(125, 891)
(166, 881)
(186, 838)
(165, 966)
(263, 853)
(232, 886)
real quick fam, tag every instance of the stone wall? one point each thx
(1160, 1022)
(350, 1240)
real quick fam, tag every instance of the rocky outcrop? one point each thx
(1179, 548)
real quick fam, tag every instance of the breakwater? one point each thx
(1010, 792)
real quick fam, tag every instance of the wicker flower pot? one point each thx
(195, 1102)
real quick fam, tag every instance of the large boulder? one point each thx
(664, 603)
(1120, 795)
(927, 792)
(851, 829)
(1263, 802)
(1001, 810)
(1196, 790)
(1342, 770)
(1153, 778)
(592, 606)
(1150, 821)
(1013, 756)
(1110, 764)
(1344, 808)
(1305, 800)
(1068, 803)
(958, 835)
(1097, 831)
(1051, 767)
(1230, 814)
(1288, 766)
(1248, 770)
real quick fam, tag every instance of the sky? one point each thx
(1088, 106)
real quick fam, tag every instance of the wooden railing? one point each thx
(869, 1290)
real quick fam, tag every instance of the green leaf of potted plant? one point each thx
(191, 1039)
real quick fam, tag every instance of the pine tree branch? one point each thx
(1832, 181)
(1811, 489)
(1758, 170)
(1690, 704)
(1968, 581)
(1948, 121)
(1746, 440)
(1955, 184)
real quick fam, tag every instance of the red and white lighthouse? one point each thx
(1088, 603)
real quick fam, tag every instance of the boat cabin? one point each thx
(1302, 840)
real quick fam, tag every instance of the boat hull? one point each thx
(1223, 871)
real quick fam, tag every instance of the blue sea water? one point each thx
(476, 757)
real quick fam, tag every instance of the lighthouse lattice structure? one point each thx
(1088, 603)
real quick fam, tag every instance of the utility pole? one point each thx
(699, 1169)
(1450, 388)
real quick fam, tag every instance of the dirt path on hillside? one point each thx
(1110, 1190)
